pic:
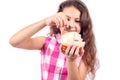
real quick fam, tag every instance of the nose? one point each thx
(72, 23)
(72, 26)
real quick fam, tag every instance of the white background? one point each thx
(19, 64)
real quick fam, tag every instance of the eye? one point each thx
(78, 21)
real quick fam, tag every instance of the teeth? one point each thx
(68, 28)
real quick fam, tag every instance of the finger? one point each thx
(81, 51)
(68, 50)
(77, 51)
(64, 18)
(56, 21)
(72, 51)
(61, 22)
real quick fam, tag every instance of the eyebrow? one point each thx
(70, 17)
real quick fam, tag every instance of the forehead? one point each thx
(72, 11)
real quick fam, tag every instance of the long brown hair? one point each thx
(89, 57)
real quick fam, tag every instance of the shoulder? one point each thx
(50, 44)
(51, 40)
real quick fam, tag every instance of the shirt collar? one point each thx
(58, 37)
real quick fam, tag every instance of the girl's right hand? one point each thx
(58, 20)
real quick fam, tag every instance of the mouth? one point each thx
(70, 29)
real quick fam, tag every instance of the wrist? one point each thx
(71, 59)
(44, 22)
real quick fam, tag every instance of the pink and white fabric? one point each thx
(53, 62)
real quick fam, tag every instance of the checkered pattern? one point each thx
(53, 62)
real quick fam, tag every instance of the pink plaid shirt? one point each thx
(53, 62)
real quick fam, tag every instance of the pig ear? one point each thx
(63, 48)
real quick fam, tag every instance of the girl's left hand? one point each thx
(73, 51)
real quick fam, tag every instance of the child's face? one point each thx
(73, 16)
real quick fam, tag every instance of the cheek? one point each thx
(78, 28)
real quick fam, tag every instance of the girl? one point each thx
(57, 65)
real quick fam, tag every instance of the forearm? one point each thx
(73, 72)
(27, 32)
